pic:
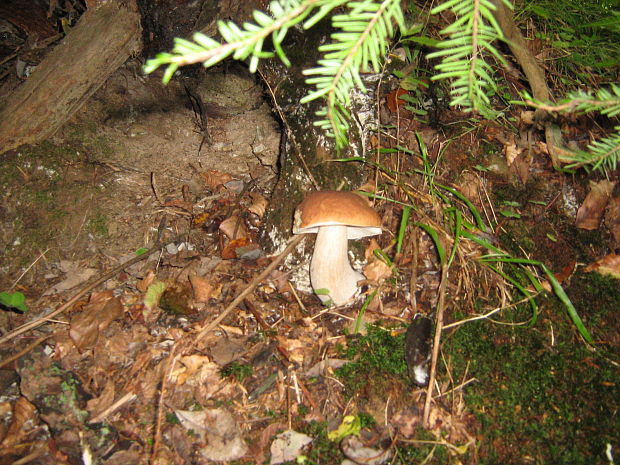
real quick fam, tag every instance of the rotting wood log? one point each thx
(104, 38)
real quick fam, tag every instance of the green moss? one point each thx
(236, 370)
(97, 225)
(322, 450)
(378, 355)
(546, 398)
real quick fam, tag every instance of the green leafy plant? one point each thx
(471, 38)
(13, 300)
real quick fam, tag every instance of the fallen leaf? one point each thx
(218, 429)
(23, 413)
(214, 178)
(102, 309)
(521, 166)
(511, 151)
(355, 450)
(204, 288)
(591, 211)
(320, 368)
(394, 100)
(143, 284)
(75, 275)
(234, 228)
(527, 117)
(294, 347)
(231, 250)
(259, 204)
(189, 366)
(287, 446)
(609, 264)
(377, 270)
(103, 401)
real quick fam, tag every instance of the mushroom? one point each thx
(335, 217)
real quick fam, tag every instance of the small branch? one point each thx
(436, 343)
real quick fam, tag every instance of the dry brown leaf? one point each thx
(228, 349)
(294, 347)
(234, 228)
(181, 204)
(591, 211)
(287, 446)
(377, 270)
(511, 151)
(609, 264)
(394, 100)
(218, 429)
(214, 178)
(102, 309)
(355, 450)
(204, 288)
(259, 204)
(230, 251)
(103, 401)
(143, 284)
(527, 117)
(75, 275)
(189, 366)
(23, 412)
(521, 166)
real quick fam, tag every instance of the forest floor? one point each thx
(134, 369)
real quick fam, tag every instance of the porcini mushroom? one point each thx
(335, 217)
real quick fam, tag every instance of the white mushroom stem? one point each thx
(331, 275)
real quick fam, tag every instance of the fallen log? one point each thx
(104, 38)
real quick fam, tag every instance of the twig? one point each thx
(487, 315)
(436, 342)
(29, 266)
(172, 358)
(129, 397)
(23, 352)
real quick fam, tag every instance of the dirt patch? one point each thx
(96, 191)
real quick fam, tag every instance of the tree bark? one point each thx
(306, 153)
(103, 39)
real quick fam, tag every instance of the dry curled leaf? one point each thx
(218, 432)
(102, 309)
(23, 412)
(259, 204)
(609, 265)
(234, 228)
(591, 211)
(204, 288)
(394, 100)
(214, 178)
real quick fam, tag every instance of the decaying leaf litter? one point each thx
(200, 352)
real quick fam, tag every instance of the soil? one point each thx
(96, 191)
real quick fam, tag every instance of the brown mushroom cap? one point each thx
(325, 208)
